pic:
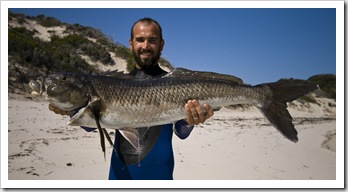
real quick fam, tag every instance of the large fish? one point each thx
(125, 103)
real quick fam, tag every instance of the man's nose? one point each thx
(146, 44)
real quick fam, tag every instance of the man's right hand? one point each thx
(57, 110)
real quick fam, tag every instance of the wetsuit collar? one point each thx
(150, 72)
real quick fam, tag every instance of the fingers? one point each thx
(200, 117)
(189, 116)
(209, 110)
(57, 110)
(196, 118)
(195, 113)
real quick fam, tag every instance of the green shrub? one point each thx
(326, 82)
(48, 21)
(308, 99)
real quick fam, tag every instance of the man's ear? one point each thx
(162, 44)
(130, 42)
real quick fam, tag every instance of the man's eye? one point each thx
(153, 40)
(139, 40)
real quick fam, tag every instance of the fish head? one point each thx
(67, 91)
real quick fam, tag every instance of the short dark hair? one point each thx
(147, 21)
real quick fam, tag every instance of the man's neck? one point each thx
(151, 71)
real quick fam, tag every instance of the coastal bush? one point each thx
(60, 53)
(326, 82)
(48, 21)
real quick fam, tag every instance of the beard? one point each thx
(147, 62)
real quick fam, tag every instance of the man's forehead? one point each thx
(151, 28)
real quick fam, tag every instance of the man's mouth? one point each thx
(146, 54)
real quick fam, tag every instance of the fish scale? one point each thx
(169, 93)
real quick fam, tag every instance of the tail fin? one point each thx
(285, 91)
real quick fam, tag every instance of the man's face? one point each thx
(146, 44)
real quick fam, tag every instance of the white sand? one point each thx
(233, 144)
(42, 146)
(239, 145)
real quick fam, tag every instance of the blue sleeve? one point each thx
(182, 130)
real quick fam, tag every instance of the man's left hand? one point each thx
(195, 114)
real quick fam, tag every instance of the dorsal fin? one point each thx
(181, 72)
(116, 74)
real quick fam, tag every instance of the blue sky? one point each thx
(258, 45)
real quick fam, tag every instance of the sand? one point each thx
(235, 144)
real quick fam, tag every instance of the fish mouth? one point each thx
(37, 87)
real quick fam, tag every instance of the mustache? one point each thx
(145, 51)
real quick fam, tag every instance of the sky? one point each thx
(257, 45)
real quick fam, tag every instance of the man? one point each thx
(155, 160)
(146, 43)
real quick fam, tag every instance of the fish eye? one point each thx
(64, 77)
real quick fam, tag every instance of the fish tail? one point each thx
(276, 111)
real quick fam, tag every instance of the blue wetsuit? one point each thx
(158, 164)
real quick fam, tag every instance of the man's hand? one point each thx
(57, 110)
(195, 114)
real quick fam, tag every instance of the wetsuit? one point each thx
(158, 162)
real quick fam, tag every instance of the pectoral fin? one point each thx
(86, 115)
(93, 111)
(83, 117)
(132, 136)
(96, 115)
(136, 143)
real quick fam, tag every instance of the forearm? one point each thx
(182, 129)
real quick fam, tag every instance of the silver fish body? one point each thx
(126, 102)
(144, 103)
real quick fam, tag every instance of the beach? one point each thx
(235, 144)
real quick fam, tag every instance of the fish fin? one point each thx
(109, 140)
(96, 114)
(88, 114)
(181, 72)
(132, 136)
(83, 116)
(285, 91)
(147, 139)
(88, 129)
(116, 74)
(279, 117)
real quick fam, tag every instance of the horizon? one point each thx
(257, 45)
